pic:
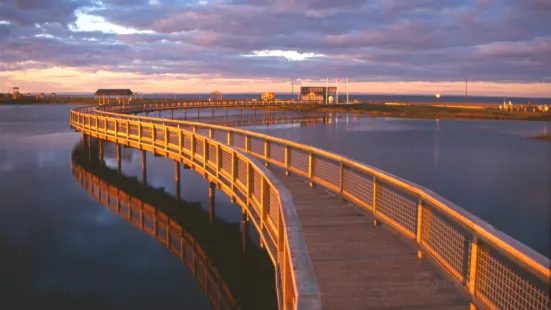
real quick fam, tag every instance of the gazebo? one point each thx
(123, 96)
(215, 96)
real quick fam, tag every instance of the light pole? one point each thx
(347, 80)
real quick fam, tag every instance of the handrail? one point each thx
(495, 269)
(269, 205)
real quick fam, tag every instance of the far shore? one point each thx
(541, 137)
(422, 110)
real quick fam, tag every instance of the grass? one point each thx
(542, 137)
(425, 112)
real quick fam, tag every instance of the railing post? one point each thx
(229, 138)
(211, 133)
(179, 141)
(205, 155)
(471, 285)
(233, 170)
(266, 152)
(153, 134)
(311, 168)
(341, 180)
(249, 183)
(140, 133)
(374, 204)
(218, 161)
(286, 160)
(166, 139)
(264, 201)
(247, 144)
(419, 226)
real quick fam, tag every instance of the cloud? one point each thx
(416, 40)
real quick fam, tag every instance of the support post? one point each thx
(374, 206)
(311, 169)
(177, 178)
(144, 168)
(118, 147)
(286, 160)
(245, 231)
(419, 227)
(100, 150)
(212, 188)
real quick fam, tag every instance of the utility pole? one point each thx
(337, 99)
(347, 80)
(292, 89)
(326, 90)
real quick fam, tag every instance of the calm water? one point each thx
(489, 168)
(62, 249)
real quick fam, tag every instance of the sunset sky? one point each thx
(384, 46)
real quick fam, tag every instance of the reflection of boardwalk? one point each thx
(360, 266)
(158, 225)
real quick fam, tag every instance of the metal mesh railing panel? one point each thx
(199, 147)
(501, 287)
(273, 211)
(397, 207)
(220, 136)
(212, 154)
(358, 186)
(444, 241)
(238, 141)
(226, 162)
(257, 146)
(327, 170)
(257, 185)
(298, 159)
(242, 173)
(187, 143)
(277, 152)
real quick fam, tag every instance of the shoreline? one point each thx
(423, 112)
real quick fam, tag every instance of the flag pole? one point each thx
(347, 80)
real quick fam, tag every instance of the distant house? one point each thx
(318, 94)
(40, 96)
(53, 95)
(215, 96)
(123, 96)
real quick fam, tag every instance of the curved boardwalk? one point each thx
(356, 264)
(362, 266)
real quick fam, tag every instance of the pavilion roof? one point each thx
(113, 92)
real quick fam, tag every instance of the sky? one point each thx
(503, 47)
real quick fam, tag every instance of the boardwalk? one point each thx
(362, 266)
(327, 253)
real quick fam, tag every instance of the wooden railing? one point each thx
(268, 204)
(497, 270)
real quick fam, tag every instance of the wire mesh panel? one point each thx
(226, 163)
(257, 146)
(501, 286)
(256, 189)
(398, 208)
(327, 171)
(242, 173)
(203, 131)
(199, 147)
(220, 136)
(173, 137)
(238, 140)
(133, 129)
(212, 154)
(187, 143)
(277, 152)
(274, 208)
(358, 186)
(444, 241)
(299, 160)
(159, 135)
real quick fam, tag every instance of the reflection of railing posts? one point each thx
(158, 225)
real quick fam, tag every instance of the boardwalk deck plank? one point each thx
(361, 266)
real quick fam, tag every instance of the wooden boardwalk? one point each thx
(362, 266)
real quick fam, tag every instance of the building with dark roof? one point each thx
(123, 96)
(318, 94)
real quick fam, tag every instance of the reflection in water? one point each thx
(210, 248)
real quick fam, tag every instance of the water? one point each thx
(489, 168)
(60, 248)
